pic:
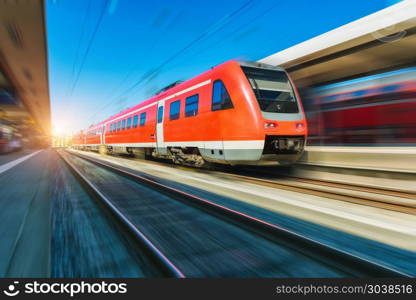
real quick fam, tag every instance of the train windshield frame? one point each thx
(273, 90)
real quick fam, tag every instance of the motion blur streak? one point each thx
(24, 90)
(376, 109)
(298, 164)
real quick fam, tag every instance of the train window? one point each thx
(191, 105)
(135, 120)
(129, 123)
(112, 127)
(272, 89)
(174, 110)
(142, 119)
(118, 125)
(123, 124)
(220, 97)
(160, 114)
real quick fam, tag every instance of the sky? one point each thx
(108, 55)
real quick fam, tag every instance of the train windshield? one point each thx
(273, 90)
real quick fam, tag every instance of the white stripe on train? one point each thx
(250, 144)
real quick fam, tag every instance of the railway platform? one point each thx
(48, 209)
(25, 213)
(375, 158)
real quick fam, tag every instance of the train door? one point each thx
(100, 132)
(102, 139)
(160, 139)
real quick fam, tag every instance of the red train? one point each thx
(379, 109)
(235, 113)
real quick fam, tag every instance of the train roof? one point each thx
(180, 85)
(164, 92)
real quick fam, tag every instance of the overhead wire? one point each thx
(84, 23)
(88, 48)
(210, 31)
(237, 30)
(205, 34)
(131, 70)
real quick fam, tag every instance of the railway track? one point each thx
(155, 256)
(388, 199)
(193, 237)
(85, 240)
(381, 198)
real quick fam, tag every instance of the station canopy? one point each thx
(380, 41)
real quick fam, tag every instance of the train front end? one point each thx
(283, 122)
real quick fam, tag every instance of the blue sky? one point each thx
(107, 55)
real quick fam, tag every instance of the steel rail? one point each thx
(351, 261)
(337, 195)
(170, 269)
(405, 205)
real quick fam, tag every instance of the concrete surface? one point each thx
(381, 225)
(25, 213)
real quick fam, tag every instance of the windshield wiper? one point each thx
(256, 89)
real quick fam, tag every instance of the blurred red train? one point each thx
(373, 110)
(235, 113)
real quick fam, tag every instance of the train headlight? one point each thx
(300, 126)
(270, 125)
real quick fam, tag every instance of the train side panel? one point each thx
(213, 117)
